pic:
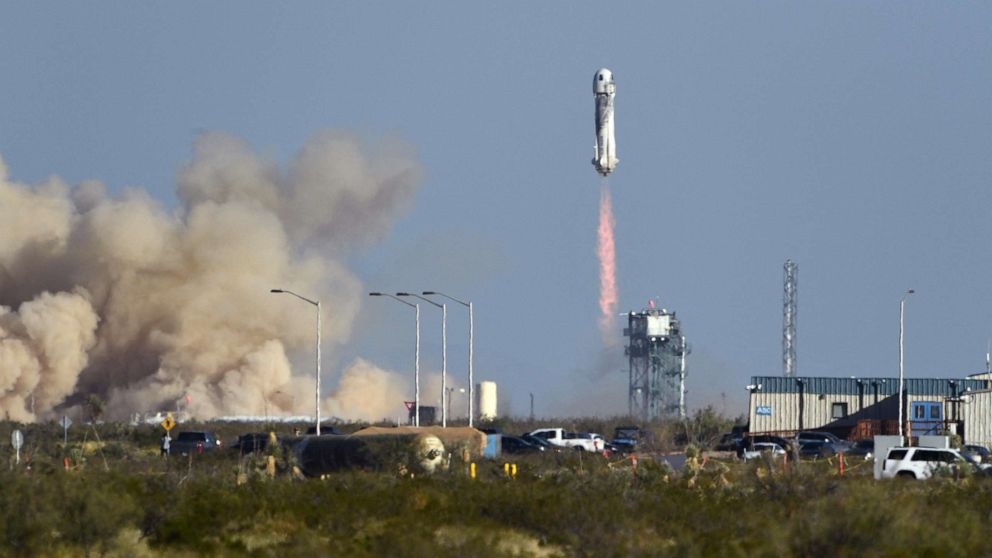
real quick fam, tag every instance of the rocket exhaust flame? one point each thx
(606, 251)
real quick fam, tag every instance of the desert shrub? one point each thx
(93, 509)
(560, 504)
(705, 427)
(28, 514)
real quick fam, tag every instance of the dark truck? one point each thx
(628, 439)
(194, 442)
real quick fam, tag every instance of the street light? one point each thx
(317, 304)
(471, 330)
(902, 305)
(416, 358)
(444, 351)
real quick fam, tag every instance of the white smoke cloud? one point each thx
(43, 346)
(367, 392)
(143, 306)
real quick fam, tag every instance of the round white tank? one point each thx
(487, 400)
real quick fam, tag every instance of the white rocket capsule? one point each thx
(605, 151)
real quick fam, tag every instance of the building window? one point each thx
(838, 410)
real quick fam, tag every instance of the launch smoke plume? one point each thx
(144, 306)
(606, 252)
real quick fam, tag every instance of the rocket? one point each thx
(605, 151)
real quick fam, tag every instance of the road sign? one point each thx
(66, 422)
(17, 440)
(169, 423)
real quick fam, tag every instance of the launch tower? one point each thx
(656, 350)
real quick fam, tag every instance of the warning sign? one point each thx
(409, 405)
(169, 423)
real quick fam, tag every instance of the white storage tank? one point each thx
(487, 400)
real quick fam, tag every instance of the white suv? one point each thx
(922, 463)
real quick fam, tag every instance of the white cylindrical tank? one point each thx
(487, 400)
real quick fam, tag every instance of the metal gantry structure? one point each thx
(656, 351)
(790, 305)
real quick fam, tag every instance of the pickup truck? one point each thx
(565, 439)
(195, 442)
(628, 439)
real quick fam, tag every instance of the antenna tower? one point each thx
(790, 307)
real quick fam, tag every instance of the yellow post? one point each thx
(513, 470)
(471, 470)
(506, 469)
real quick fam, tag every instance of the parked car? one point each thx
(517, 445)
(861, 448)
(627, 439)
(823, 437)
(562, 438)
(922, 463)
(749, 442)
(590, 441)
(195, 442)
(819, 448)
(763, 447)
(980, 453)
(548, 446)
(601, 441)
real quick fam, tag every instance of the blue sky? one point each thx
(852, 137)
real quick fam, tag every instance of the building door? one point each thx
(926, 418)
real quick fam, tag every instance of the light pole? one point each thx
(471, 333)
(444, 352)
(317, 304)
(416, 358)
(902, 306)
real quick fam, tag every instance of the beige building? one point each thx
(861, 407)
(976, 410)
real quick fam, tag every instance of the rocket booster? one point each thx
(605, 151)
